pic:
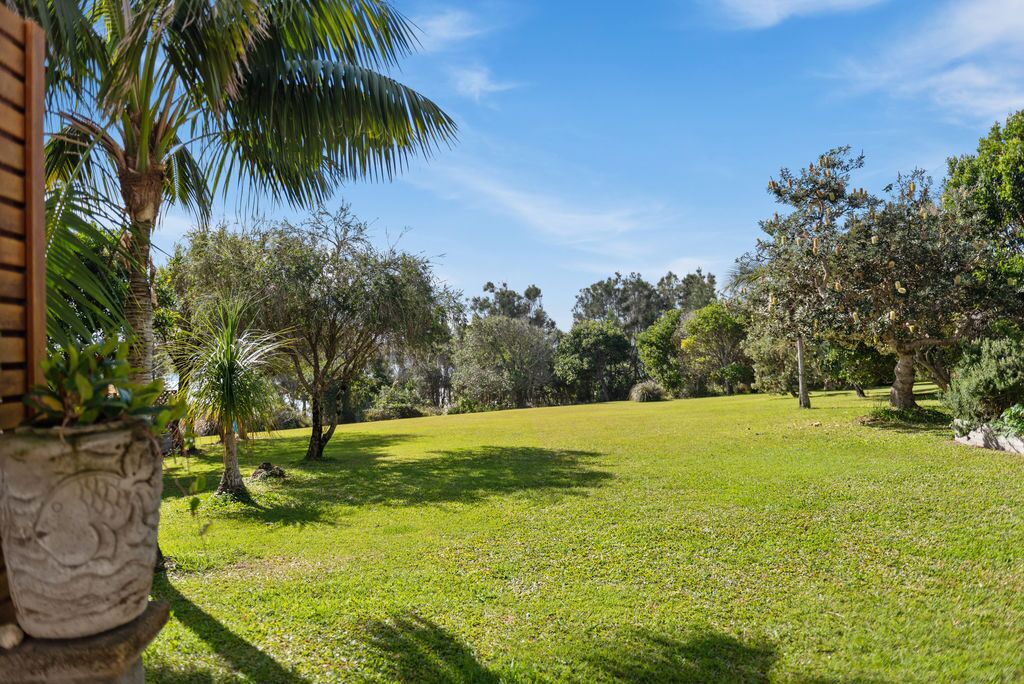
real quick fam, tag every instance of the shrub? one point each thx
(393, 403)
(987, 382)
(648, 390)
(288, 417)
(465, 405)
(1011, 423)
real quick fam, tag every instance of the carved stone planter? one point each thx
(79, 511)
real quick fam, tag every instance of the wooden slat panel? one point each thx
(12, 55)
(12, 186)
(12, 317)
(12, 384)
(12, 218)
(12, 122)
(11, 25)
(35, 215)
(11, 414)
(12, 284)
(12, 89)
(12, 153)
(12, 252)
(12, 349)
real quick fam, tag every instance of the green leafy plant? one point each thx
(1011, 423)
(90, 384)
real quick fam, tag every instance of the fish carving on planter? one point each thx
(82, 517)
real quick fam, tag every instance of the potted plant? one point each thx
(80, 490)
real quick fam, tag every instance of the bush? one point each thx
(465, 405)
(647, 390)
(987, 383)
(393, 403)
(288, 417)
(1011, 423)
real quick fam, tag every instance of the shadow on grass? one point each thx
(414, 649)
(705, 657)
(913, 420)
(242, 656)
(359, 470)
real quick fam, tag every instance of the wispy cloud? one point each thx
(967, 58)
(760, 14)
(477, 82)
(592, 227)
(448, 28)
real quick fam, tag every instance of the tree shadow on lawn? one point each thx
(243, 657)
(415, 649)
(706, 656)
(360, 469)
(460, 476)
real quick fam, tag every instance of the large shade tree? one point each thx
(168, 100)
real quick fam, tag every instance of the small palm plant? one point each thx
(227, 383)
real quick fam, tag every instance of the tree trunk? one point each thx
(315, 451)
(805, 400)
(935, 366)
(142, 194)
(902, 394)
(860, 391)
(231, 483)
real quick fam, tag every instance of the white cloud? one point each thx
(477, 82)
(592, 227)
(448, 28)
(759, 14)
(967, 58)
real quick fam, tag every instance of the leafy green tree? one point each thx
(504, 301)
(592, 359)
(994, 177)
(712, 347)
(165, 101)
(323, 284)
(659, 351)
(502, 362)
(787, 279)
(856, 365)
(910, 277)
(227, 383)
(694, 291)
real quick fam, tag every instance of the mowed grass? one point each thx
(722, 539)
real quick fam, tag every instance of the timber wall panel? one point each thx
(22, 226)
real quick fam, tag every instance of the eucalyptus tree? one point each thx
(227, 382)
(170, 101)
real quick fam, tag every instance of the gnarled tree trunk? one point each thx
(315, 451)
(805, 399)
(231, 482)
(902, 394)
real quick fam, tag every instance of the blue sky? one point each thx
(604, 136)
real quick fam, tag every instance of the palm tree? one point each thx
(172, 100)
(227, 383)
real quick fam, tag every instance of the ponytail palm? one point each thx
(173, 100)
(227, 383)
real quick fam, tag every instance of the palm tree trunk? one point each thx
(805, 400)
(902, 394)
(142, 194)
(231, 483)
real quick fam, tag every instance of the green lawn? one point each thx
(724, 539)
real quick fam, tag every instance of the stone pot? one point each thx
(79, 511)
